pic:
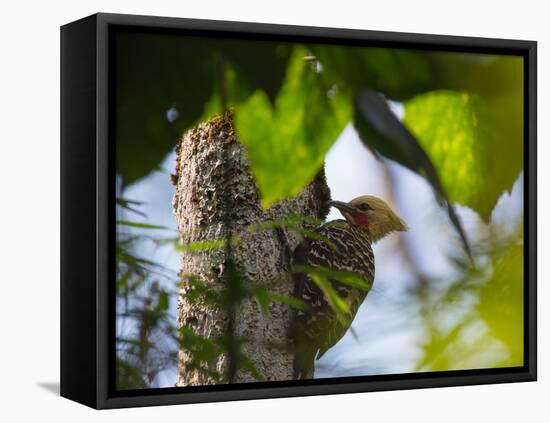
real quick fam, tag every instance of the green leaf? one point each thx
(470, 130)
(501, 303)
(475, 160)
(163, 302)
(294, 224)
(203, 349)
(140, 225)
(345, 277)
(199, 292)
(292, 136)
(208, 245)
(337, 303)
(262, 296)
(322, 276)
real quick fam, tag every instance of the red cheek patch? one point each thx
(360, 219)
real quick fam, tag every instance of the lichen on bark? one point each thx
(216, 196)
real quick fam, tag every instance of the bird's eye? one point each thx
(365, 207)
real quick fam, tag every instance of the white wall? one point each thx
(29, 174)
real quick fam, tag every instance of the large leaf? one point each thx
(475, 159)
(497, 84)
(286, 142)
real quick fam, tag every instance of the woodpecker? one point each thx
(342, 245)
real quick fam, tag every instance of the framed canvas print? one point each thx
(255, 211)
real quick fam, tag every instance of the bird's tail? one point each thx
(304, 350)
(304, 358)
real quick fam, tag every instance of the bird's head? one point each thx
(373, 214)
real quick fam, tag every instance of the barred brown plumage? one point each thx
(343, 245)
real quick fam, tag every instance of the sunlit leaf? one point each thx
(447, 126)
(292, 136)
(475, 139)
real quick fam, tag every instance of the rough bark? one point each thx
(216, 194)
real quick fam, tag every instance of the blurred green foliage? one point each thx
(477, 321)
(501, 303)
(351, 69)
(146, 339)
(279, 137)
(155, 72)
(292, 102)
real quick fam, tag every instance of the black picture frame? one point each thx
(87, 214)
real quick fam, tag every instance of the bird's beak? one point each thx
(343, 207)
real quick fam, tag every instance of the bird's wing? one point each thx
(319, 324)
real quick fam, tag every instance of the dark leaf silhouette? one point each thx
(386, 136)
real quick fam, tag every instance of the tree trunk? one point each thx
(215, 197)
